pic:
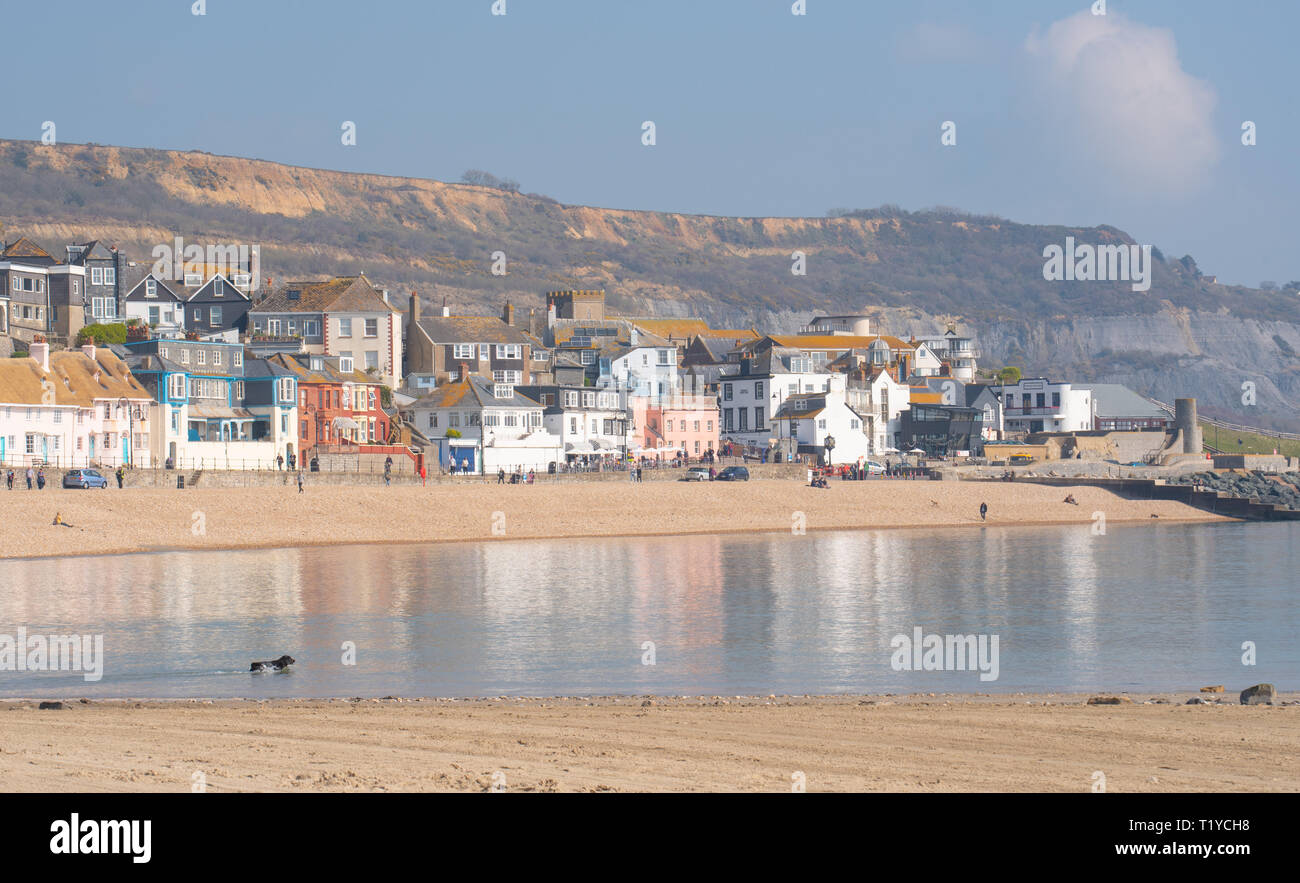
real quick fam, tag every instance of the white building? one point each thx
(641, 370)
(591, 423)
(1040, 405)
(805, 423)
(481, 426)
(75, 408)
(748, 400)
(957, 350)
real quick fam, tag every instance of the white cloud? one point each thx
(1123, 103)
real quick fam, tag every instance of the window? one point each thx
(216, 357)
(589, 400)
(760, 422)
(176, 386)
(150, 288)
(286, 389)
(588, 357)
(726, 420)
(710, 429)
(1056, 400)
(201, 357)
(96, 275)
(193, 279)
(507, 376)
(372, 328)
(573, 425)
(345, 327)
(239, 390)
(310, 328)
(570, 399)
(219, 287)
(239, 358)
(110, 276)
(153, 316)
(508, 351)
(758, 389)
(433, 419)
(292, 327)
(821, 424)
(198, 314)
(58, 416)
(345, 364)
(462, 351)
(726, 392)
(453, 418)
(743, 415)
(758, 419)
(664, 356)
(214, 316)
(273, 327)
(372, 359)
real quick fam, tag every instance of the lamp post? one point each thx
(830, 446)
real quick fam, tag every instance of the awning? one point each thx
(220, 412)
(345, 423)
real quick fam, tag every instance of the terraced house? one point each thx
(42, 297)
(335, 406)
(214, 407)
(487, 346)
(345, 317)
(74, 408)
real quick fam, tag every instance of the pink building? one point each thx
(663, 426)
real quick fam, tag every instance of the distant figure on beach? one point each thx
(300, 482)
(121, 474)
(388, 471)
(273, 665)
(40, 479)
(59, 522)
(984, 511)
(279, 461)
(31, 475)
(501, 475)
(9, 479)
(1069, 498)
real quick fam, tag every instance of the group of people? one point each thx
(33, 475)
(516, 477)
(819, 480)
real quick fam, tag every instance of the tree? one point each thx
(1009, 375)
(102, 334)
(1268, 285)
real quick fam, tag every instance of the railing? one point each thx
(1235, 427)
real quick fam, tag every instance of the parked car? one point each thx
(696, 473)
(1019, 459)
(734, 473)
(1137, 463)
(874, 468)
(84, 478)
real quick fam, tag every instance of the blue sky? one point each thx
(1131, 119)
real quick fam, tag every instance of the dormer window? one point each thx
(317, 364)
(503, 391)
(193, 279)
(345, 364)
(219, 287)
(150, 288)
(242, 280)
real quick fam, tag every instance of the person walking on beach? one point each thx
(501, 475)
(10, 479)
(121, 474)
(300, 481)
(31, 476)
(279, 462)
(984, 511)
(40, 479)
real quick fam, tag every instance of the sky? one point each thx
(1132, 118)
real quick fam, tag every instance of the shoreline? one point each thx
(942, 743)
(152, 520)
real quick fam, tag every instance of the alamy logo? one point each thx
(91, 837)
(175, 260)
(84, 653)
(1102, 263)
(921, 652)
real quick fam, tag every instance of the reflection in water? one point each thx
(1151, 608)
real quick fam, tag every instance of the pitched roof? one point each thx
(23, 248)
(474, 393)
(1117, 400)
(470, 329)
(299, 364)
(74, 378)
(342, 294)
(93, 250)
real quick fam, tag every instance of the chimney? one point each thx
(464, 372)
(550, 315)
(415, 308)
(89, 349)
(532, 320)
(446, 311)
(508, 314)
(41, 353)
(383, 292)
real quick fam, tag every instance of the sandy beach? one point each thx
(145, 519)
(877, 743)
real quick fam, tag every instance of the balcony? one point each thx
(1046, 411)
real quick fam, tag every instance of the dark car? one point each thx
(734, 473)
(84, 478)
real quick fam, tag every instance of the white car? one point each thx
(874, 468)
(696, 473)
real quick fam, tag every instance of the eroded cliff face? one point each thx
(1184, 337)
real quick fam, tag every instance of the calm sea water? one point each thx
(1142, 609)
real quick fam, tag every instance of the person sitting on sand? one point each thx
(59, 522)
(1069, 498)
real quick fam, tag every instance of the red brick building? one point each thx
(335, 406)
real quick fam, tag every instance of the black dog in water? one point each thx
(273, 665)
